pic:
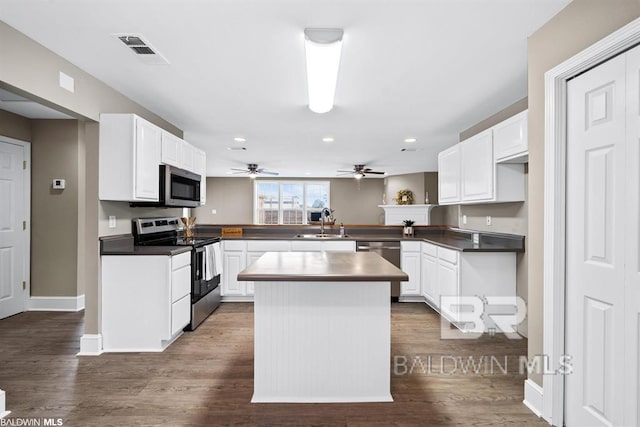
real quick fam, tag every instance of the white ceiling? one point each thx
(410, 68)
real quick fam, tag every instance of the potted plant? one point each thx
(408, 227)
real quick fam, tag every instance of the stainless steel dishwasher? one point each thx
(389, 250)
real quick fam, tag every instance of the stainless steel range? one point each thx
(206, 264)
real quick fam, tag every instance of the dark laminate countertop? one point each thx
(123, 245)
(448, 237)
(322, 267)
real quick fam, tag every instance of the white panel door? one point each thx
(148, 148)
(12, 236)
(632, 253)
(251, 258)
(596, 229)
(410, 264)
(234, 263)
(430, 286)
(170, 149)
(200, 166)
(477, 167)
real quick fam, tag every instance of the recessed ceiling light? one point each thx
(307, 173)
(410, 140)
(327, 139)
(239, 139)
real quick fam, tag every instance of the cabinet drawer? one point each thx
(180, 282)
(268, 246)
(410, 246)
(339, 246)
(180, 260)
(305, 246)
(180, 314)
(448, 255)
(429, 249)
(234, 245)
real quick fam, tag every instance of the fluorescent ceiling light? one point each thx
(410, 140)
(322, 48)
(239, 139)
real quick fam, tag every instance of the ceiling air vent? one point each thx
(143, 50)
(237, 148)
(409, 150)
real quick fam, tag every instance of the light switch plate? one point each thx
(112, 221)
(488, 220)
(464, 219)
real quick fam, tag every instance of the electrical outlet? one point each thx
(213, 211)
(112, 221)
(464, 219)
(488, 220)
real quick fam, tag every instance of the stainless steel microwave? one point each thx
(178, 188)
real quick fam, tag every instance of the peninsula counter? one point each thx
(322, 326)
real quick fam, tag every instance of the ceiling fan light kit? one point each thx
(323, 47)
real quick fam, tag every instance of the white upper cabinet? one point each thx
(510, 140)
(477, 167)
(171, 149)
(449, 175)
(469, 172)
(179, 153)
(129, 158)
(200, 167)
(187, 157)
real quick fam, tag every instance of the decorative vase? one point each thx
(188, 222)
(407, 231)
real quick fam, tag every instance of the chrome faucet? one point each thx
(323, 214)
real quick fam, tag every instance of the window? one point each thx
(289, 202)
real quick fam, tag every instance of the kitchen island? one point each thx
(322, 326)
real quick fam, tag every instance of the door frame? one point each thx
(555, 175)
(26, 147)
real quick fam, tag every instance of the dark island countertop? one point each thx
(322, 267)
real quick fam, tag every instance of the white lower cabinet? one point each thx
(146, 301)
(444, 275)
(234, 256)
(429, 274)
(410, 264)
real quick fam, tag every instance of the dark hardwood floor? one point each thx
(206, 377)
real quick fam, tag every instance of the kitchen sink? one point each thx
(321, 236)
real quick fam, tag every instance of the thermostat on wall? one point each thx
(58, 184)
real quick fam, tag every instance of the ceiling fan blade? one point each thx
(375, 172)
(268, 173)
(241, 170)
(346, 171)
(237, 173)
(345, 174)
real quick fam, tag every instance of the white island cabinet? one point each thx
(322, 326)
(146, 301)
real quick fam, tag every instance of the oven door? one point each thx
(201, 284)
(181, 187)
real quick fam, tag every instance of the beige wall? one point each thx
(15, 126)
(54, 213)
(579, 25)
(411, 181)
(232, 198)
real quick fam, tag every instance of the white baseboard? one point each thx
(56, 303)
(533, 397)
(90, 345)
(3, 403)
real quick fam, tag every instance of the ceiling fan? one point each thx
(360, 171)
(253, 170)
